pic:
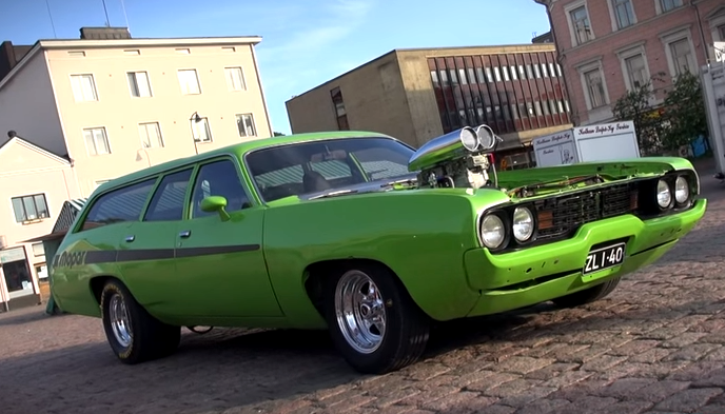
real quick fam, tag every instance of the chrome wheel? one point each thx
(120, 323)
(360, 311)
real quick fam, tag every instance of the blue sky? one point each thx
(305, 42)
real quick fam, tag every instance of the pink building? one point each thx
(607, 47)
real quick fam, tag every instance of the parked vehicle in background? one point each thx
(598, 142)
(358, 233)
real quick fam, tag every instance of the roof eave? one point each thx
(104, 43)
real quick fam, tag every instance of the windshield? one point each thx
(309, 167)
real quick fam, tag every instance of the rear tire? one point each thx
(133, 334)
(586, 296)
(373, 321)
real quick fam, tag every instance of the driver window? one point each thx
(219, 178)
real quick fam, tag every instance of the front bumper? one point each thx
(526, 277)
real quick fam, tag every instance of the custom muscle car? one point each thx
(360, 234)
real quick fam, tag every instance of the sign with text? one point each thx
(604, 129)
(12, 255)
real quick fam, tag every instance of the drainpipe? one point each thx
(708, 56)
(560, 56)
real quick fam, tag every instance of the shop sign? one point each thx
(12, 255)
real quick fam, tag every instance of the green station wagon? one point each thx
(362, 235)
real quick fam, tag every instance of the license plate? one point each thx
(604, 258)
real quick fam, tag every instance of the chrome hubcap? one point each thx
(360, 312)
(120, 323)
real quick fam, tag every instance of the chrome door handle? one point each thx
(184, 234)
(129, 239)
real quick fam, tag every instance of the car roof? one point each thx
(238, 149)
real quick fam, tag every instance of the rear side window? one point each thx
(168, 201)
(121, 205)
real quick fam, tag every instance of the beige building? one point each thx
(34, 183)
(106, 105)
(418, 94)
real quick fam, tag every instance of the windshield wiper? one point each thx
(333, 194)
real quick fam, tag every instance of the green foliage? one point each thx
(278, 134)
(679, 120)
(685, 109)
(636, 106)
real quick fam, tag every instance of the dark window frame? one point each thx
(32, 198)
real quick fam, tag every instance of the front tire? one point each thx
(586, 296)
(373, 321)
(133, 334)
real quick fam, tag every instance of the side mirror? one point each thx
(215, 203)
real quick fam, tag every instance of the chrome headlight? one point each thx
(493, 231)
(664, 195)
(682, 190)
(523, 224)
(469, 139)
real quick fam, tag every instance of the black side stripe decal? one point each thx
(118, 256)
(205, 251)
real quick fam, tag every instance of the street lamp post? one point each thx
(195, 118)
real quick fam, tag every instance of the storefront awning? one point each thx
(66, 217)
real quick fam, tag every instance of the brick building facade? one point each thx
(607, 47)
(419, 94)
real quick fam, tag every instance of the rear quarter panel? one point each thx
(72, 279)
(421, 235)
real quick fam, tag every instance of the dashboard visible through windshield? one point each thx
(310, 167)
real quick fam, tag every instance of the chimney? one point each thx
(104, 33)
(7, 58)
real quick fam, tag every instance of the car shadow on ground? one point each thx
(230, 368)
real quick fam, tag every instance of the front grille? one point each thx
(561, 216)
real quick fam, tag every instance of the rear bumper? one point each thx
(523, 278)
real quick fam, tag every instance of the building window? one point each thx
(96, 141)
(138, 83)
(31, 207)
(623, 13)
(595, 88)
(38, 249)
(189, 82)
(201, 130)
(150, 134)
(245, 125)
(235, 79)
(681, 56)
(84, 87)
(636, 71)
(340, 111)
(580, 24)
(668, 5)
(721, 32)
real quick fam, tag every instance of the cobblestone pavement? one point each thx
(657, 345)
